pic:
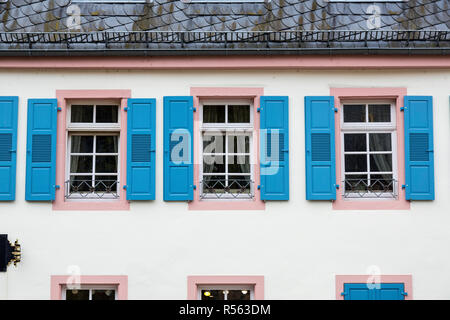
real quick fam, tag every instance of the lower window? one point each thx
(228, 292)
(90, 293)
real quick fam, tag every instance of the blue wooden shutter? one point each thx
(380, 291)
(41, 150)
(8, 146)
(357, 291)
(320, 153)
(390, 291)
(178, 149)
(141, 121)
(274, 148)
(419, 156)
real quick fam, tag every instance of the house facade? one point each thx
(224, 149)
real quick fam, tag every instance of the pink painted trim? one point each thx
(195, 281)
(396, 94)
(228, 62)
(58, 282)
(227, 92)
(63, 96)
(405, 279)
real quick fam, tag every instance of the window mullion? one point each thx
(94, 160)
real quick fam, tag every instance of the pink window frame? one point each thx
(199, 93)
(64, 97)
(58, 282)
(194, 281)
(397, 95)
(405, 279)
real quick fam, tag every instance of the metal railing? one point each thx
(370, 188)
(231, 188)
(85, 189)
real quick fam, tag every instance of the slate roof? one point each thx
(175, 26)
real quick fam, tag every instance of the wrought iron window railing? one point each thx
(226, 189)
(370, 188)
(97, 189)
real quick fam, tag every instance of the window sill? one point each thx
(231, 204)
(372, 204)
(92, 205)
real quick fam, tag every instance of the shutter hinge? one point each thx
(195, 109)
(404, 293)
(58, 109)
(125, 108)
(258, 110)
(57, 187)
(337, 186)
(195, 187)
(124, 187)
(344, 293)
(259, 187)
(403, 186)
(402, 108)
(335, 109)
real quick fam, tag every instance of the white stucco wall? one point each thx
(298, 246)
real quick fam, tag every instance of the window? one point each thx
(93, 151)
(90, 293)
(226, 170)
(368, 142)
(226, 292)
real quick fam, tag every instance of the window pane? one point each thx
(77, 294)
(382, 182)
(238, 144)
(213, 164)
(356, 182)
(380, 142)
(239, 184)
(354, 113)
(214, 114)
(103, 295)
(238, 295)
(213, 295)
(106, 114)
(106, 183)
(379, 113)
(380, 162)
(81, 114)
(238, 114)
(107, 144)
(355, 142)
(355, 163)
(82, 144)
(213, 143)
(213, 184)
(80, 183)
(81, 164)
(106, 164)
(239, 164)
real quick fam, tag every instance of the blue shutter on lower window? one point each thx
(141, 123)
(178, 148)
(419, 154)
(379, 291)
(320, 152)
(8, 146)
(41, 150)
(274, 148)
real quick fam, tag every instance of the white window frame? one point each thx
(229, 129)
(90, 288)
(374, 127)
(226, 287)
(93, 129)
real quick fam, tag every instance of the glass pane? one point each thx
(238, 144)
(81, 114)
(80, 183)
(238, 114)
(213, 184)
(213, 164)
(354, 113)
(239, 164)
(106, 164)
(213, 295)
(106, 183)
(355, 163)
(239, 184)
(380, 142)
(81, 164)
(238, 295)
(77, 294)
(106, 114)
(213, 143)
(355, 182)
(107, 144)
(380, 162)
(103, 295)
(379, 113)
(82, 144)
(355, 142)
(382, 182)
(214, 114)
